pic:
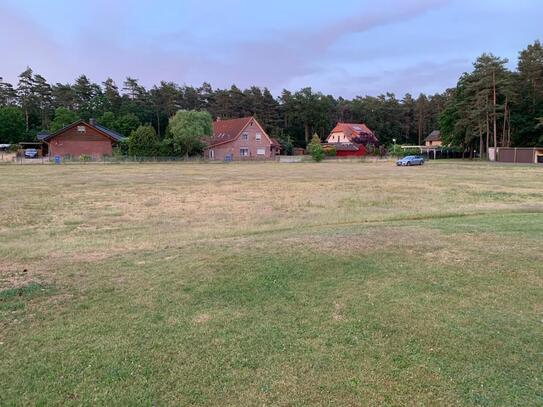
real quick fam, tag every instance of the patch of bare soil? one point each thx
(15, 276)
(337, 314)
(202, 318)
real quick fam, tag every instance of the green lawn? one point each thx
(271, 284)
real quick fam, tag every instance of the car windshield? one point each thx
(409, 157)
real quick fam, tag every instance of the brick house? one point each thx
(240, 139)
(350, 139)
(81, 138)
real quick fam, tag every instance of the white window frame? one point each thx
(211, 154)
(258, 136)
(261, 151)
(245, 136)
(246, 149)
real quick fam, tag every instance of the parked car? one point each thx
(410, 160)
(31, 153)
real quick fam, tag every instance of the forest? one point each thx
(492, 105)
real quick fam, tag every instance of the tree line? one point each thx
(490, 106)
(494, 106)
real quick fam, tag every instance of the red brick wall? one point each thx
(233, 148)
(75, 143)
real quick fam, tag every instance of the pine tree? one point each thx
(8, 95)
(25, 93)
(44, 98)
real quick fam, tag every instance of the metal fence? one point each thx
(21, 160)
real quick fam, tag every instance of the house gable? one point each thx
(228, 141)
(345, 132)
(228, 131)
(83, 130)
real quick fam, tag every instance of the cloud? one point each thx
(292, 54)
(107, 45)
(424, 76)
(22, 43)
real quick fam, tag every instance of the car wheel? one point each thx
(409, 164)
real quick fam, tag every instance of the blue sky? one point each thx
(342, 47)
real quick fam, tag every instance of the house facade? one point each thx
(350, 139)
(434, 139)
(81, 139)
(240, 139)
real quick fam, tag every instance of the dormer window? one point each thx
(245, 136)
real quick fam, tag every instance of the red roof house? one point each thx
(350, 139)
(240, 139)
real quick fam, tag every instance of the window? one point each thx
(245, 136)
(211, 154)
(81, 129)
(244, 152)
(260, 151)
(258, 137)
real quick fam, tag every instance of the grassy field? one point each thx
(271, 284)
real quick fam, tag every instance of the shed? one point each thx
(81, 138)
(521, 155)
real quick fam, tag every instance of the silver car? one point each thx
(410, 160)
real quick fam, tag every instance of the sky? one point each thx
(342, 47)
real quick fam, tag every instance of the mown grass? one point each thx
(272, 284)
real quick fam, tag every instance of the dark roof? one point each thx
(434, 136)
(42, 135)
(225, 131)
(109, 132)
(104, 130)
(345, 146)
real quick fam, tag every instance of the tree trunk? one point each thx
(306, 133)
(27, 120)
(487, 133)
(509, 129)
(504, 141)
(420, 129)
(158, 124)
(494, 108)
(481, 144)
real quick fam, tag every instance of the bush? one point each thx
(85, 158)
(165, 148)
(329, 151)
(143, 142)
(396, 150)
(315, 148)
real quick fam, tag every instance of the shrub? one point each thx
(329, 151)
(143, 142)
(85, 158)
(165, 148)
(397, 151)
(315, 148)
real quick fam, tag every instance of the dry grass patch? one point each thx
(273, 284)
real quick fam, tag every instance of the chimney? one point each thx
(92, 122)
